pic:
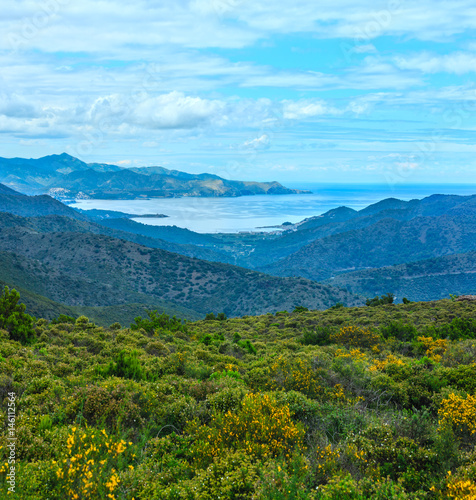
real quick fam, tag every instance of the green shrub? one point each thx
(158, 323)
(384, 299)
(399, 331)
(63, 318)
(319, 336)
(246, 344)
(300, 309)
(126, 364)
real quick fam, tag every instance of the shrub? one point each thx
(89, 467)
(246, 344)
(110, 406)
(281, 480)
(459, 413)
(63, 318)
(300, 309)
(260, 427)
(294, 374)
(319, 336)
(400, 331)
(384, 299)
(126, 365)
(226, 400)
(158, 323)
(354, 336)
(397, 458)
(231, 477)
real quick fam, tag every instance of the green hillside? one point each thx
(360, 403)
(86, 269)
(430, 279)
(387, 242)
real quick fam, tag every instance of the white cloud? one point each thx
(262, 142)
(15, 106)
(458, 63)
(307, 108)
(176, 110)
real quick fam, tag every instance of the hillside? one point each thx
(37, 282)
(360, 403)
(96, 270)
(66, 177)
(344, 220)
(62, 224)
(387, 242)
(31, 206)
(430, 279)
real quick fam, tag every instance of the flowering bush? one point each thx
(459, 413)
(260, 427)
(354, 336)
(89, 469)
(294, 374)
(433, 348)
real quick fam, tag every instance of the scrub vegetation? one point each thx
(349, 403)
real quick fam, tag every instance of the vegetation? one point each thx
(13, 319)
(370, 402)
(55, 258)
(379, 301)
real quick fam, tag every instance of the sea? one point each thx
(262, 213)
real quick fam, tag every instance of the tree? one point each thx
(158, 323)
(384, 299)
(13, 318)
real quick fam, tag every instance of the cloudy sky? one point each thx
(328, 91)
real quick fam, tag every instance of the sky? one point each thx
(339, 91)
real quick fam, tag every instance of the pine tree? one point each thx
(13, 318)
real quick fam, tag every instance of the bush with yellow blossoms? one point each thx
(89, 469)
(460, 413)
(260, 427)
(355, 336)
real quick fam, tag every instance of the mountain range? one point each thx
(65, 177)
(76, 262)
(103, 262)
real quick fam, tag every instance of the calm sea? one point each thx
(253, 213)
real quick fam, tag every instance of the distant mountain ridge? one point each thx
(429, 279)
(423, 249)
(66, 177)
(87, 269)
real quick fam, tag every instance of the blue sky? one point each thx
(330, 91)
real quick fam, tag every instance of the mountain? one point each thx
(8, 191)
(387, 242)
(430, 279)
(62, 224)
(66, 177)
(86, 269)
(32, 176)
(128, 184)
(28, 206)
(19, 273)
(258, 251)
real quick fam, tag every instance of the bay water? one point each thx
(262, 212)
